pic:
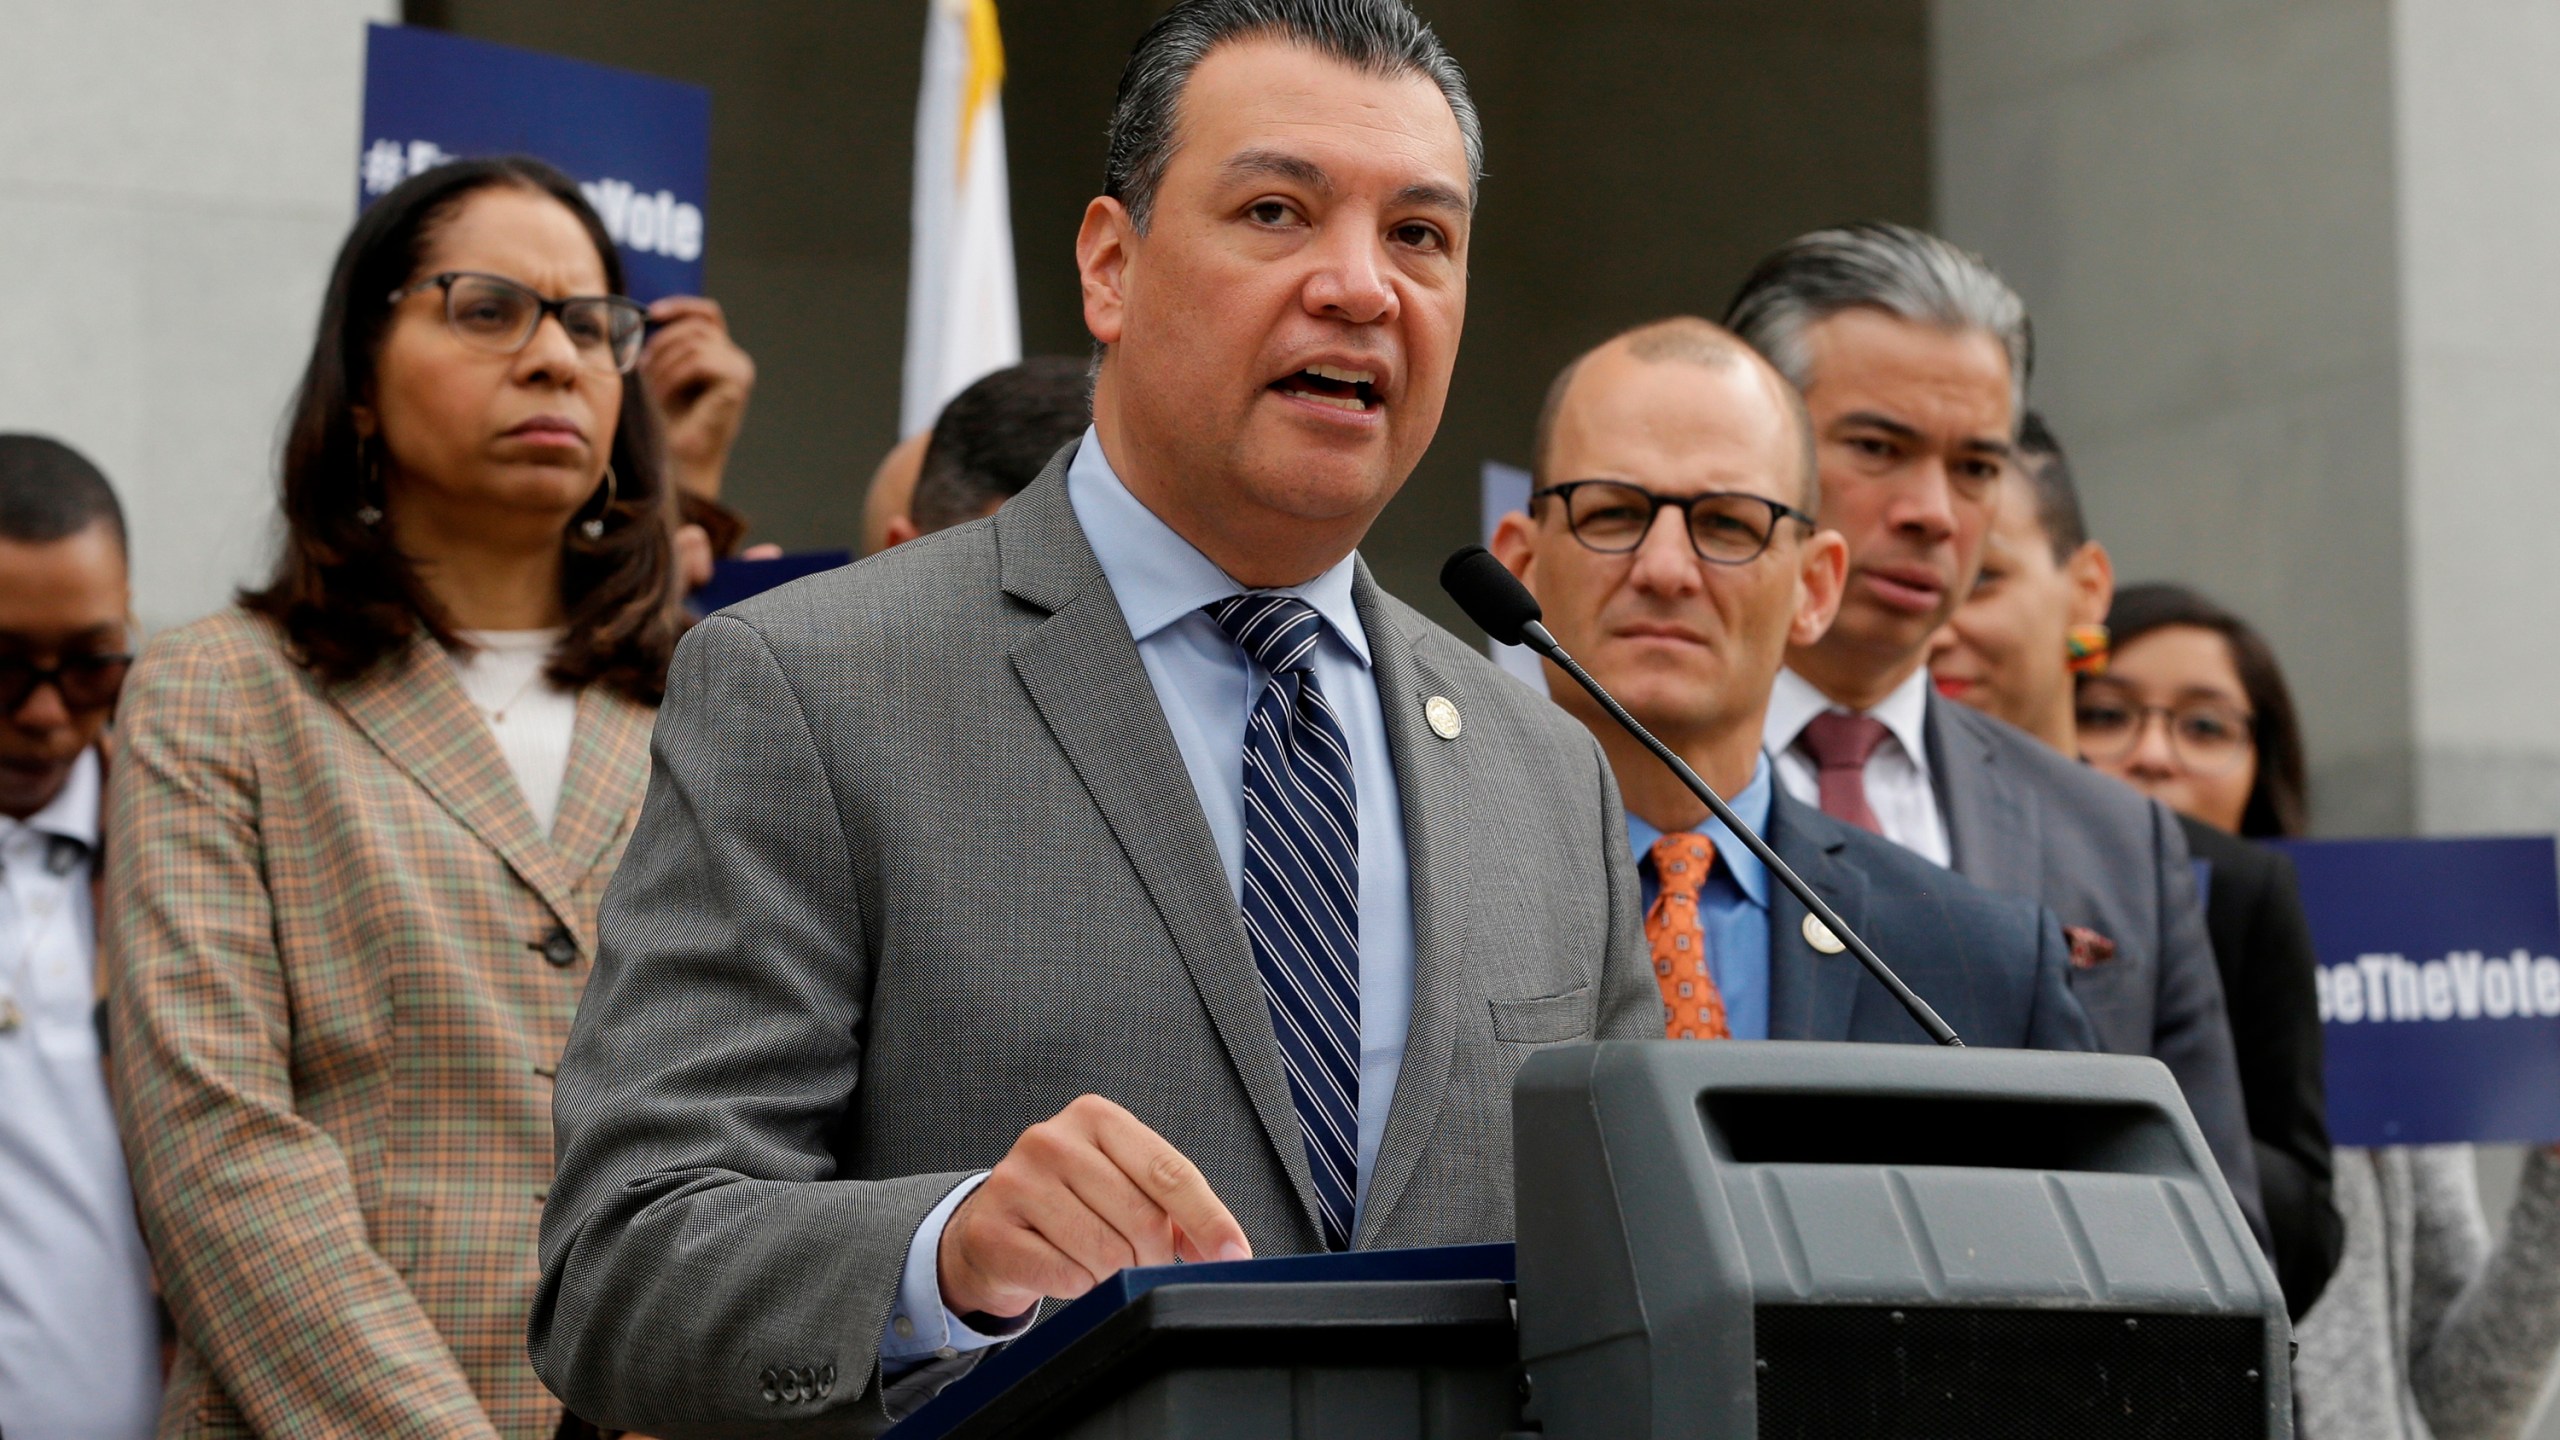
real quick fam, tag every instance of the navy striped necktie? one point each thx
(1302, 887)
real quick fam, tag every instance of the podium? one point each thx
(1784, 1239)
(1398, 1343)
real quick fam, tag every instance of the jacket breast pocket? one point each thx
(1544, 1019)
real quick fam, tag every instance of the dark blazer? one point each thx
(1993, 966)
(2262, 945)
(920, 864)
(2025, 820)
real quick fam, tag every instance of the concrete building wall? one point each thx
(2479, 217)
(174, 180)
(2198, 203)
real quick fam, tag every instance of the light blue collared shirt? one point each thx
(1733, 908)
(1206, 687)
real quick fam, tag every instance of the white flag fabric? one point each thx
(962, 318)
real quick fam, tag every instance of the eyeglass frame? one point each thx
(1687, 506)
(39, 676)
(545, 308)
(2168, 723)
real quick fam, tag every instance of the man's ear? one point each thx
(898, 531)
(1103, 245)
(1515, 544)
(2092, 573)
(1821, 580)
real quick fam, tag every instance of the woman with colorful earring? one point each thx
(362, 824)
(2021, 648)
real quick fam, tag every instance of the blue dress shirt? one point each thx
(1733, 907)
(1206, 687)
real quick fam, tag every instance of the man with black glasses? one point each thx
(1672, 543)
(78, 1340)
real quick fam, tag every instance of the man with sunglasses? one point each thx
(1673, 545)
(79, 1341)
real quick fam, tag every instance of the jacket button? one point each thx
(772, 1395)
(559, 947)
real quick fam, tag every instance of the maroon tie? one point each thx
(1839, 745)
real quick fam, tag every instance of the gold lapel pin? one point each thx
(1443, 717)
(1819, 936)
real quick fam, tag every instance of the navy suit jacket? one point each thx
(1996, 967)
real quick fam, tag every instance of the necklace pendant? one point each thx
(11, 1017)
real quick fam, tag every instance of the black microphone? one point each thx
(1503, 608)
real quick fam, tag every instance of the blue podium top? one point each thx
(1004, 1368)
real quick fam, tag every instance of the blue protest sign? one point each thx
(2439, 987)
(638, 145)
(735, 580)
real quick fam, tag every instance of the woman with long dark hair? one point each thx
(363, 822)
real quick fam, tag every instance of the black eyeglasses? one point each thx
(1726, 527)
(495, 314)
(86, 682)
(2208, 737)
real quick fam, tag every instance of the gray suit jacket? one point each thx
(1993, 966)
(2026, 821)
(920, 864)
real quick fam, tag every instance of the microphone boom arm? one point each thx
(1536, 637)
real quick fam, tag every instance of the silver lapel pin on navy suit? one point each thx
(1085, 678)
(1812, 996)
(1433, 787)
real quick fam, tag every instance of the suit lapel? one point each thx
(608, 773)
(1812, 996)
(1439, 819)
(1991, 828)
(1092, 692)
(413, 709)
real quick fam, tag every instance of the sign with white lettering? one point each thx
(639, 146)
(2439, 987)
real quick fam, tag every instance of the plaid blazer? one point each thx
(346, 962)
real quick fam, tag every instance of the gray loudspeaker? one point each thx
(1796, 1239)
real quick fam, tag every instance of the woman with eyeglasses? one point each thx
(362, 823)
(2426, 1329)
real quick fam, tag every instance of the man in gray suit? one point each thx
(1672, 542)
(1121, 879)
(1912, 357)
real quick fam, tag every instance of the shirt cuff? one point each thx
(922, 1328)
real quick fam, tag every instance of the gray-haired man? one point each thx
(1123, 878)
(1913, 358)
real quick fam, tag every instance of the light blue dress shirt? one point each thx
(1206, 687)
(79, 1340)
(1733, 908)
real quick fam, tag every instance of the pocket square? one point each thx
(2089, 949)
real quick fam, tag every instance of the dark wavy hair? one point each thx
(347, 599)
(2280, 797)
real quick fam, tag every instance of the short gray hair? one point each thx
(1879, 266)
(1382, 37)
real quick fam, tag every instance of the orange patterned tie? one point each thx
(1692, 1006)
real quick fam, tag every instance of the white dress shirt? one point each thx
(79, 1337)
(533, 719)
(1899, 788)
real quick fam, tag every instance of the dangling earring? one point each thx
(2085, 648)
(369, 514)
(594, 529)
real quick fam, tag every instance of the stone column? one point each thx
(174, 182)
